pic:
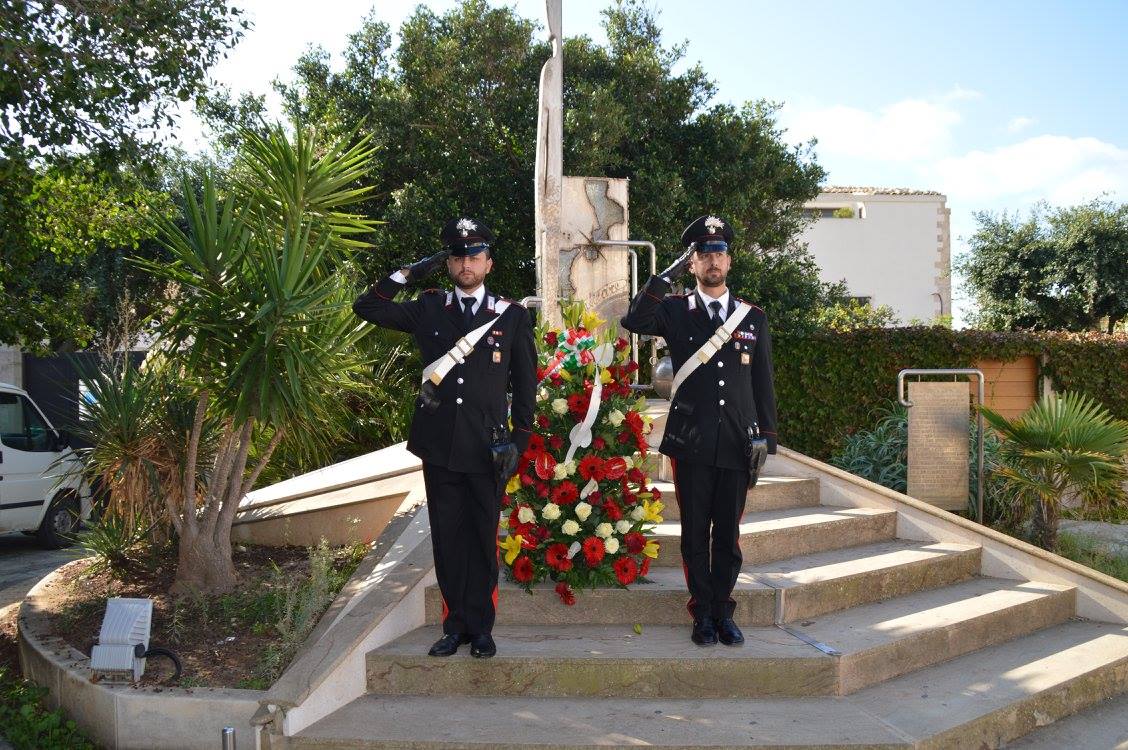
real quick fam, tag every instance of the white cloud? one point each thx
(1018, 124)
(910, 129)
(1059, 169)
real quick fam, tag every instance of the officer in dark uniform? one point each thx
(459, 422)
(713, 417)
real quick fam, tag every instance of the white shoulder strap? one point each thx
(437, 370)
(710, 347)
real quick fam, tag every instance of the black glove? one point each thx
(757, 450)
(421, 268)
(505, 456)
(677, 268)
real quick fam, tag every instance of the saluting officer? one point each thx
(723, 394)
(478, 346)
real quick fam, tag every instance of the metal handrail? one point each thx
(631, 245)
(971, 371)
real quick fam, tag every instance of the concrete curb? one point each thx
(127, 717)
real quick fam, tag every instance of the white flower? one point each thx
(623, 526)
(570, 467)
(560, 406)
(611, 544)
(525, 514)
(616, 417)
(583, 510)
(550, 512)
(628, 461)
(542, 394)
(560, 471)
(604, 530)
(570, 527)
(638, 513)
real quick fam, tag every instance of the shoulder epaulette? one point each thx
(757, 307)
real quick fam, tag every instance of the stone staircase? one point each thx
(854, 639)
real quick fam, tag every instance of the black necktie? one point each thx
(715, 306)
(468, 315)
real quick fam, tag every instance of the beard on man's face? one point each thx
(711, 276)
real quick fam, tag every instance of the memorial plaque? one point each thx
(938, 444)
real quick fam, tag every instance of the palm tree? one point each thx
(260, 329)
(1063, 445)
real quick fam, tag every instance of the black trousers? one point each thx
(464, 511)
(711, 501)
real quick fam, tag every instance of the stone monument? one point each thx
(573, 214)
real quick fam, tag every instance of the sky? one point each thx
(996, 104)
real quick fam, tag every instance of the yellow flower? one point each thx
(653, 510)
(564, 374)
(591, 320)
(512, 547)
(513, 485)
(605, 377)
(651, 549)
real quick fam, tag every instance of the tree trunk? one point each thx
(204, 566)
(1046, 525)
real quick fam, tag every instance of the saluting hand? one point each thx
(677, 268)
(422, 268)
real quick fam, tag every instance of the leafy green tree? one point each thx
(1063, 445)
(261, 329)
(452, 112)
(1059, 269)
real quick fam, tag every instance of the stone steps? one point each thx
(770, 493)
(983, 699)
(875, 642)
(796, 588)
(779, 534)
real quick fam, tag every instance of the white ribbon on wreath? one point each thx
(580, 436)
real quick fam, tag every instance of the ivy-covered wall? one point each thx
(829, 384)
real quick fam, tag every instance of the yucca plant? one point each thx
(261, 330)
(1063, 445)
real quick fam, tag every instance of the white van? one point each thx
(41, 492)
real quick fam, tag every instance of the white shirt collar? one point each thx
(723, 299)
(478, 295)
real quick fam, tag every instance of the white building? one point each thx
(891, 246)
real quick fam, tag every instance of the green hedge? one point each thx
(829, 384)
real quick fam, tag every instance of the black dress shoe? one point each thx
(482, 646)
(729, 634)
(704, 632)
(448, 644)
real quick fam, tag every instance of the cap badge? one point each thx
(714, 224)
(465, 226)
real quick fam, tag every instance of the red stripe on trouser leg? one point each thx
(446, 609)
(493, 597)
(685, 568)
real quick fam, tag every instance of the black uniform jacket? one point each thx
(713, 409)
(473, 394)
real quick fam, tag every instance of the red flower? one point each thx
(645, 566)
(542, 489)
(595, 497)
(593, 551)
(634, 421)
(550, 338)
(523, 569)
(565, 493)
(505, 501)
(564, 591)
(629, 498)
(526, 480)
(626, 436)
(621, 343)
(545, 465)
(578, 404)
(611, 508)
(635, 476)
(657, 493)
(598, 443)
(635, 542)
(630, 367)
(615, 467)
(542, 421)
(591, 467)
(556, 556)
(556, 442)
(626, 570)
(536, 443)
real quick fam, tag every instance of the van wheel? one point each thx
(60, 523)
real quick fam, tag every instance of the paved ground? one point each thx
(23, 562)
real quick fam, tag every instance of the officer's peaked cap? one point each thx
(708, 232)
(465, 236)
